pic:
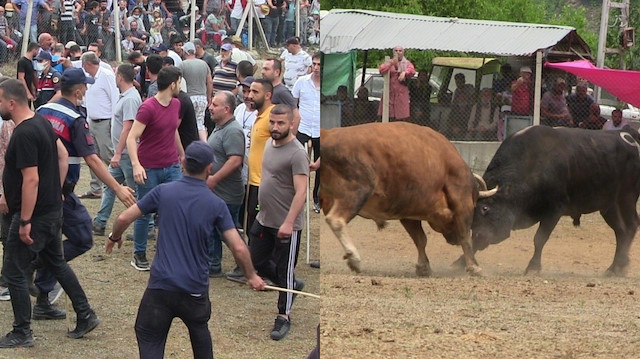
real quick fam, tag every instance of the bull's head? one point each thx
(493, 218)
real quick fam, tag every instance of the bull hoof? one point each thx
(423, 270)
(352, 262)
(475, 271)
(616, 272)
(532, 271)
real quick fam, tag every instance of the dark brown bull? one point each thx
(397, 171)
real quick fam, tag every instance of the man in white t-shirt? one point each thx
(237, 9)
(296, 61)
(307, 92)
(616, 122)
(245, 114)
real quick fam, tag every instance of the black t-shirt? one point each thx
(33, 143)
(278, 11)
(25, 65)
(188, 129)
(92, 23)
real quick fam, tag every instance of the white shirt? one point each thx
(236, 12)
(238, 55)
(177, 60)
(102, 96)
(295, 66)
(246, 119)
(309, 105)
(609, 126)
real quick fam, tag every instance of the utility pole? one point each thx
(623, 18)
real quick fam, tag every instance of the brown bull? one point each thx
(397, 171)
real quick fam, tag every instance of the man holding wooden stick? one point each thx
(275, 235)
(188, 212)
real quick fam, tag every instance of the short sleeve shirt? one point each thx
(228, 140)
(282, 95)
(126, 109)
(189, 212)
(157, 148)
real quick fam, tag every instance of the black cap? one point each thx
(74, 76)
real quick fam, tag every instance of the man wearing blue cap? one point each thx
(49, 81)
(70, 125)
(35, 160)
(178, 282)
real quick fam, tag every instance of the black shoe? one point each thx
(140, 262)
(236, 273)
(97, 229)
(280, 328)
(14, 340)
(216, 273)
(316, 207)
(84, 326)
(298, 284)
(47, 312)
(314, 264)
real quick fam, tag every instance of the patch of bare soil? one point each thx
(241, 319)
(569, 310)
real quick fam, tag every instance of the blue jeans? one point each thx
(155, 177)
(215, 241)
(121, 174)
(271, 29)
(33, 33)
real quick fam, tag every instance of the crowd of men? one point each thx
(178, 120)
(143, 24)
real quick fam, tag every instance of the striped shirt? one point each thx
(225, 77)
(67, 15)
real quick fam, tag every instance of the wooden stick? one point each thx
(291, 291)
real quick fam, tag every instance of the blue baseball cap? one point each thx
(200, 153)
(75, 76)
(43, 55)
(159, 48)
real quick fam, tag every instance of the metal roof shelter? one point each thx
(346, 30)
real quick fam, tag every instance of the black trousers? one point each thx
(315, 144)
(252, 207)
(157, 310)
(275, 258)
(45, 232)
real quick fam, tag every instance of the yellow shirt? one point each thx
(260, 134)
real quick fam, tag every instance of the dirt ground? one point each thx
(570, 310)
(240, 323)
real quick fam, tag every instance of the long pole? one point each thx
(192, 28)
(602, 40)
(26, 33)
(116, 18)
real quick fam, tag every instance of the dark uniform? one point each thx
(48, 85)
(69, 123)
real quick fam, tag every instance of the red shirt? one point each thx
(157, 147)
(521, 100)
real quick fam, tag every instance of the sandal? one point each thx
(90, 195)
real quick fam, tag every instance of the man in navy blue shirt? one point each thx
(188, 212)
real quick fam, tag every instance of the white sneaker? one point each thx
(55, 293)
(4, 294)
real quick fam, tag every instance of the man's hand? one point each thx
(126, 195)
(115, 160)
(25, 234)
(255, 282)
(401, 77)
(108, 247)
(285, 230)
(4, 208)
(139, 174)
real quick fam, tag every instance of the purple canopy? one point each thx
(624, 84)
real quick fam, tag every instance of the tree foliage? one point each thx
(554, 12)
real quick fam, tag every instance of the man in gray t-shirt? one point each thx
(120, 165)
(274, 238)
(197, 75)
(227, 141)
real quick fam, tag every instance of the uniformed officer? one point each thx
(49, 81)
(70, 124)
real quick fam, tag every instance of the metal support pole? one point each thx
(118, 34)
(26, 33)
(192, 28)
(537, 95)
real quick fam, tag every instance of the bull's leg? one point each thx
(539, 240)
(415, 230)
(624, 222)
(469, 258)
(338, 225)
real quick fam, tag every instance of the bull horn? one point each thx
(481, 182)
(489, 193)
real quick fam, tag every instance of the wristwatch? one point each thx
(24, 222)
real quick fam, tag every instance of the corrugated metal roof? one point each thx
(345, 30)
